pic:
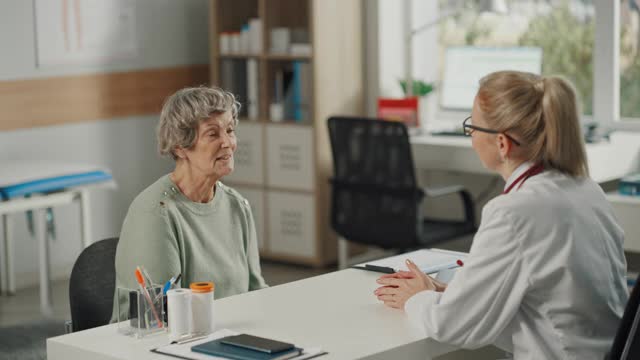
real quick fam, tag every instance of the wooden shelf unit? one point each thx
(283, 167)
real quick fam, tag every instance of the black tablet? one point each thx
(257, 343)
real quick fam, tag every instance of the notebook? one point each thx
(217, 348)
(428, 260)
(183, 350)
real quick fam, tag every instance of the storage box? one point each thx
(291, 227)
(248, 158)
(290, 162)
(402, 110)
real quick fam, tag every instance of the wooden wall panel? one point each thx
(80, 98)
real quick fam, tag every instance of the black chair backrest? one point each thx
(626, 344)
(92, 285)
(374, 195)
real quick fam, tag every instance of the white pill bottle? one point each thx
(202, 308)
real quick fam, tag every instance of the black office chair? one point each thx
(375, 199)
(626, 344)
(92, 285)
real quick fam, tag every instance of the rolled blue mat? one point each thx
(53, 184)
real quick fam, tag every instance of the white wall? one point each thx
(391, 52)
(392, 46)
(392, 49)
(170, 33)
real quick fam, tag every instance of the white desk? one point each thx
(39, 204)
(336, 311)
(24, 171)
(607, 160)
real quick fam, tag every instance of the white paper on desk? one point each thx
(428, 260)
(184, 350)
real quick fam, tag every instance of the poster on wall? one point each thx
(84, 32)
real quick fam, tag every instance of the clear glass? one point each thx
(149, 304)
(630, 60)
(563, 29)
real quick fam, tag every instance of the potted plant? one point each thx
(420, 88)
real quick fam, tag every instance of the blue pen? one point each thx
(167, 285)
(170, 283)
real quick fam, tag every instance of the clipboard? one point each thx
(430, 261)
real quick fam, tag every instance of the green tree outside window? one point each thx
(565, 36)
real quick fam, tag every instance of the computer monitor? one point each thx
(464, 66)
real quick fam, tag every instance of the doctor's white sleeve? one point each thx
(485, 294)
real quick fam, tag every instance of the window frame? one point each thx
(606, 63)
(606, 92)
(611, 32)
(606, 67)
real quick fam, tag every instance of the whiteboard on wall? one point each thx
(84, 32)
(464, 66)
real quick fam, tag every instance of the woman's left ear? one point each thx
(179, 152)
(504, 146)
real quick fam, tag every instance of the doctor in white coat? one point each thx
(545, 277)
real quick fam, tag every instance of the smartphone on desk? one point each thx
(257, 343)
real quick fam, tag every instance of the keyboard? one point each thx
(447, 133)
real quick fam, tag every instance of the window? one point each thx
(562, 29)
(593, 43)
(630, 59)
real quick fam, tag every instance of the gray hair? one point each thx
(183, 111)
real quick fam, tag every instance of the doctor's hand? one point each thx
(399, 287)
(440, 286)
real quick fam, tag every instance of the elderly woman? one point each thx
(188, 222)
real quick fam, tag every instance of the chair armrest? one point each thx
(469, 212)
(445, 190)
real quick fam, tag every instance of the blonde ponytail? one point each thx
(564, 146)
(542, 111)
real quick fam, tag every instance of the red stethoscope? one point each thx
(532, 171)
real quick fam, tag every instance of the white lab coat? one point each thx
(545, 277)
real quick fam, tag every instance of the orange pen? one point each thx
(140, 279)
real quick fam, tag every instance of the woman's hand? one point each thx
(440, 286)
(400, 286)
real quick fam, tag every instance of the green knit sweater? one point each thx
(169, 234)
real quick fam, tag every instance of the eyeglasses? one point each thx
(469, 129)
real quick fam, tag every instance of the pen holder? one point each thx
(140, 313)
